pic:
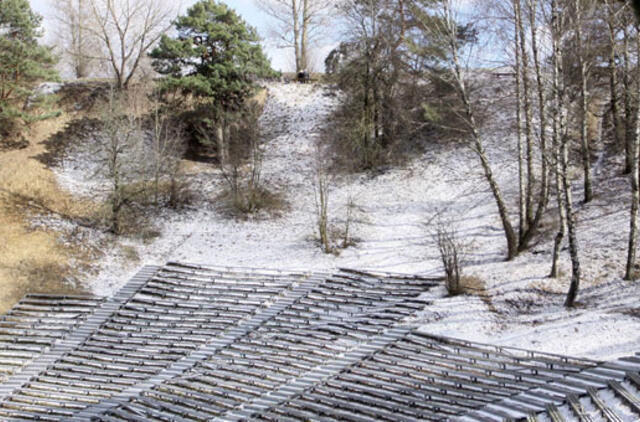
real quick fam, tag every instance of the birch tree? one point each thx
(559, 124)
(635, 195)
(626, 88)
(442, 26)
(580, 6)
(616, 118)
(528, 116)
(533, 222)
(560, 34)
(522, 204)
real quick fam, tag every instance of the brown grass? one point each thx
(29, 256)
(474, 285)
(253, 202)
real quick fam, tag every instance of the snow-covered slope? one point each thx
(394, 221)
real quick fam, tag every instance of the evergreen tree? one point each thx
(216, 58)
(22, 62)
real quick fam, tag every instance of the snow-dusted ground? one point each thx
(394, 218)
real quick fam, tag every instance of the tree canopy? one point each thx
(215, 56)
(22, 61)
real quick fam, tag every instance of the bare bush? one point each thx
(331, 235)
(347, 237)
(167, 147)
(240, 158)
(119, 150)
(321, 196)
(137, 155)
(451, 250)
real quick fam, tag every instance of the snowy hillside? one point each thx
(393, 215)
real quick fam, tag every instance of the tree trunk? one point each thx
(626, 95)
(296, 34)
(544, 171)
(221, 144)
(522, 205)
(82, 69)
(633, 218)
(527, 114)
(510, 235)
(618, 127)
(635, 196)
(584, 109)
(571, 227)
(304, 38)
(558, 131)
(562, 213)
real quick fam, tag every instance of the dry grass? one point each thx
(473, 285)
(252, 202)
(29, 256)
(130, 253)
(259, 98)
(551, 286)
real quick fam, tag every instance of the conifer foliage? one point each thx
(23, 62)
(216, 57)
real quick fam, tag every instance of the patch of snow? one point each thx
(395, 214)
(48, 88)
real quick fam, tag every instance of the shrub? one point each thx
(451, 251)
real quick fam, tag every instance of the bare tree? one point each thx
(533, 220)
(321, 192)
(560, 33)
(240, 161)
(626, 87)
(120, 150)
(77, 42)
(559, 125)
(166, 149)
(126, 29)
(448, 31)
(618, 124)
(635, 194)
(528, 114)
(298, 24)
(522, 204)
(580, 9)
(321, 183)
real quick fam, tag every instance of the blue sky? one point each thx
(281, 59)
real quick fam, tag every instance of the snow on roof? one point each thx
(188, 342)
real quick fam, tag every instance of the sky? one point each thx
(281, 58)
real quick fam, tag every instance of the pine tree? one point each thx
(22, 62)
(215, 58)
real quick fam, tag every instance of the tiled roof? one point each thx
(193, 343)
